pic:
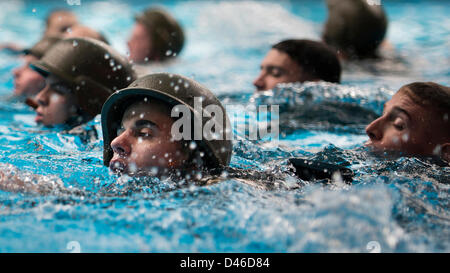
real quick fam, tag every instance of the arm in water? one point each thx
(14, 180)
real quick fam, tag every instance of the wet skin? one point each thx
(278, 67)
(27, 82)
(139, 45)
(143, 145)
(56, 104)
(59, 22)
(409, 128)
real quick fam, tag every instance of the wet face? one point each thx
(408, 128)
(139, 45)
(56, 104)
(59, 22)
(143, 145)
(27, 82)
(277, 67)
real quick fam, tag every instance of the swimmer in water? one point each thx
(415, 122)
(138, 134)
(27, 82)
(138, 128)
(57, 23)
(292, 61)
(81, 31)
(355, 28)
(80, 74)
(156, 37)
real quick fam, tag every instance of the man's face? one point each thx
(277, 67)
(408, 128)
(27, 82)
(55, 106)
(143, 145)
(59, 22)
(139, 44)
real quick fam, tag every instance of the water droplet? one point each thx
(75, 43)
(132, 167)
(128, 78)
(107, 56)
(176, 88)
(146, 59)
(154, 171)
(168, 52)
(192, 145)
(33, 10)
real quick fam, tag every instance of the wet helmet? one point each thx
(355, 26)
(174, 90)
(166, 34)
(38, 49)
(90, 68)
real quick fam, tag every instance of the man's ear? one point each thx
(445, 152)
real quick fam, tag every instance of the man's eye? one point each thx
(276, 73)
(145, 132)
(399, 124)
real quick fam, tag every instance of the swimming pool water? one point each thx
(401, 204)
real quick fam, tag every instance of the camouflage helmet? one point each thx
(89, 68)
(38, 49)
(166, 34)
(355, 27)
(174, 90)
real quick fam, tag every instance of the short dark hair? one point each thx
(315, 58)
(429, 94)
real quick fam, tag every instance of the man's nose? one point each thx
(42, 97)
(374, 130)
(259, 82)
(121, 144)
(17, 71)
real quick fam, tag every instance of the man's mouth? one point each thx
(39, 117)
(118, 166)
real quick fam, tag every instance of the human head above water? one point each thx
(415, 121)
(298, 61)
(80, 73)
(156, 36)
(137, 128)
(28, 82)
(354, 27)
(58, 21)
(81, 31)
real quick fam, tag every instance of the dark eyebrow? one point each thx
(401, 110)
(145, 123)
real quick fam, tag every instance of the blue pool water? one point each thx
(399, 205)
